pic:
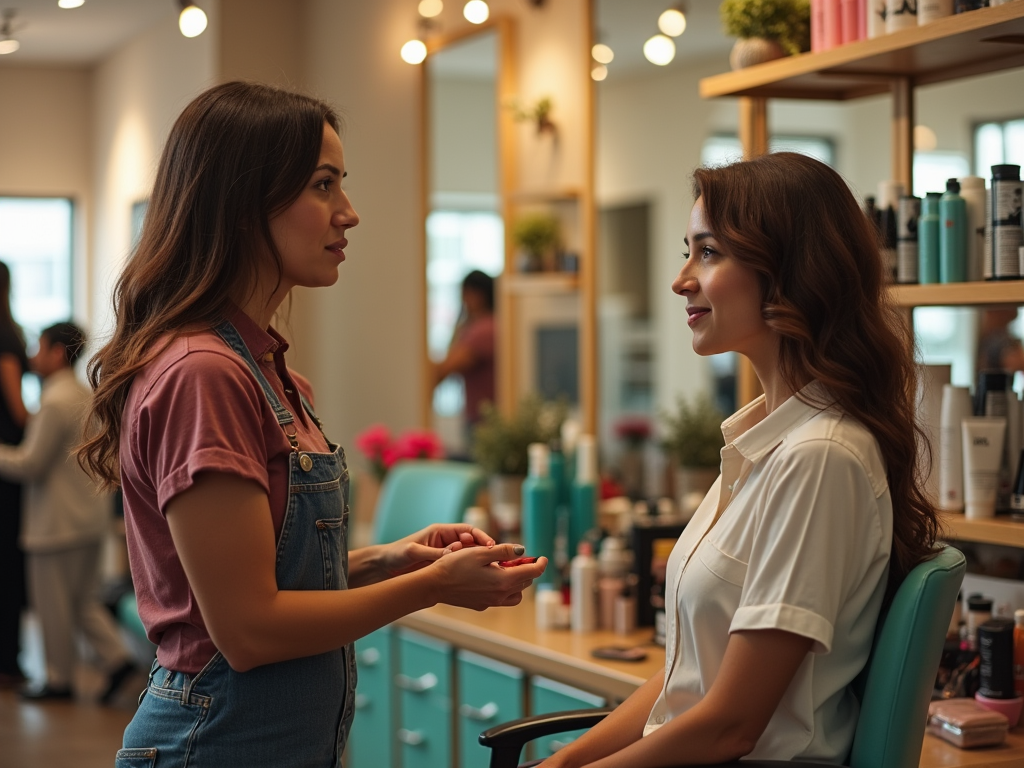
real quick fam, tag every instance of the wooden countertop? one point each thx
(509, 635)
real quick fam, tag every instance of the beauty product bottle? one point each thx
(952, 235)
(1018, 651)
(972, 190)
(956, 406)
(906, 239)
(983, 439)
(817, 25)
(538, 511)
(583, 509)
(928, 240)
(556, 464)
(849, 21)
(1017, 497)
(1006, 222)
(979, 610)
(583, 590)
(888, 202)
(876, 10)
(995, 647)
(900, 15)
(930, 10)
(831, 31)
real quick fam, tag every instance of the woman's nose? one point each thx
(684, 283)
(345, 216)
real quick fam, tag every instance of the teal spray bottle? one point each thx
(538, 516)
(583, 514)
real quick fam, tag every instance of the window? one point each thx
(997, 143)
(36, 243)
(722, 149)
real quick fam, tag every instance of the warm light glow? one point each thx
(672, 22)
(476, 11)
(660, 50)
(414, 52)
(430, 8)
(925, 139)
(70, 3)
(8, 46)
(599, 72)
(192, 21)
(602, 54)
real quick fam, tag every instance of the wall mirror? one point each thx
(464, 217)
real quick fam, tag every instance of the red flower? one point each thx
(633, 429)
(419, 445)
(382, 451)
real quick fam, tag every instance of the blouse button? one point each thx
(269, 357)
(659, 719)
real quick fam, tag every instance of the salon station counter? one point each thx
(509, 635)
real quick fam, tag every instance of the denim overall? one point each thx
(290, 713)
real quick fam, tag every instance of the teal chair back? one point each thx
(418, 493)
(896, 685)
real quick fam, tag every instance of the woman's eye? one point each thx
(707, 251)
(325, 184)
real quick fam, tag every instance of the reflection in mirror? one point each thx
(465, 233)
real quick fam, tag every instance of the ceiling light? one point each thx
(430, 8)
(7, 43)
(191, 20)
(476, 11)
(660, 50)
(599, 72)
(414, 52)
(672, 22)
(70, 3)
(602, 54)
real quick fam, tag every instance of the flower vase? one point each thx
(747, 51)
(506, 499)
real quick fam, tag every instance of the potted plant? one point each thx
(693, 439)
(537, 234)
(500, 448)
(766, 29)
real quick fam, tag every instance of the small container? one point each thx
(928, 239)
(906, 239)
(547, 607)
(995, 647)
(965, 723)
(979, 610)
(1007, 235)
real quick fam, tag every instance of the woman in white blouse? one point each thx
(776, 584)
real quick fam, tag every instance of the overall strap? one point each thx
(231, 337)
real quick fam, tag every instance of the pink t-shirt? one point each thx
(198, 408)
(478, 336)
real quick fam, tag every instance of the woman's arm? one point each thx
(460, 358)
(222, 532)
(10, 388)
(726, 724)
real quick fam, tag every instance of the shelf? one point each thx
(960, 294)
(964, 45)
(567, 195)
(997, 530)
(541, 282)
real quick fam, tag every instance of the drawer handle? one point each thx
(554, 745)
(412, 738)
(487, 712)
(369, 657)
(416, 684)
(362, 701)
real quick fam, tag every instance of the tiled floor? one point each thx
(81, 734)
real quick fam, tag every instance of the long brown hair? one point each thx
(794, 221)
(238, 154)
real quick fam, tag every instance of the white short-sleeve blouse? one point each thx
(794, 535)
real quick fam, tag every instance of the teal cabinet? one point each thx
(423, 680)
(371, 743)
(551, 696)
(489, 693)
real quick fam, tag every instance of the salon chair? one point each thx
(894, 688)
(418, 493)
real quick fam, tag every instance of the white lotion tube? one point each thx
(983, 438)
(956, 406)
(931, 379)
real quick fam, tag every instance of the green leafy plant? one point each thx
(786, 21)
(539, 114)
(693, 433)
(500, 444)
(536, 232)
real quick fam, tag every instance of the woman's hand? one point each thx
(470, 577)
(384, 561)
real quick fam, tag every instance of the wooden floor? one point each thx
(79, 734)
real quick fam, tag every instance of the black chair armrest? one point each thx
(508, 739)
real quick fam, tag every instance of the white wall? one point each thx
(137, 94)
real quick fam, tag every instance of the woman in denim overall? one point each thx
(248, 204)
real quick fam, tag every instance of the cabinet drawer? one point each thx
(490, 693)
(551, 696)
(423, 681)
(371, 743)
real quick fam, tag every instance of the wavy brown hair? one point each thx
(238, 154)
(794, 221)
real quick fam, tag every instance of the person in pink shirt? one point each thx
(236, 503)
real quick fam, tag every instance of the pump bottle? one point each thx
(952, 235)
(539, 508)
(583, 510)
(583, 590)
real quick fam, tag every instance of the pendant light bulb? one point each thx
(599, 72)
(660, 50)
(414, 52)
(602, 54)
(476, 11)
(192, 21)
(70, 3)
(428, 9)
(672, 22)
(8, 45)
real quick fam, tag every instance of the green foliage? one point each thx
(500, 444)
(787, 21)
(536, 232)
(693, 434)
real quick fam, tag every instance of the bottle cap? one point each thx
(585, 548)
(972, 182)
(1006, 172)
(1018, 617)
(952, 185)
(586, 460)
(539, 459)
(570, 433)
(978, 603)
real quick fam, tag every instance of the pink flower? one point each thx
(633, 429)
(382, 451)
(419, 445)
(374, 441)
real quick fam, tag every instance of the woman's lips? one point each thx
(696, 313)
(338, 248)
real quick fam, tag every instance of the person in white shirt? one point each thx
(65, 521)
(776, 584)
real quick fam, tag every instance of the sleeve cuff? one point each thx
(210, 460)
(788, 618)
